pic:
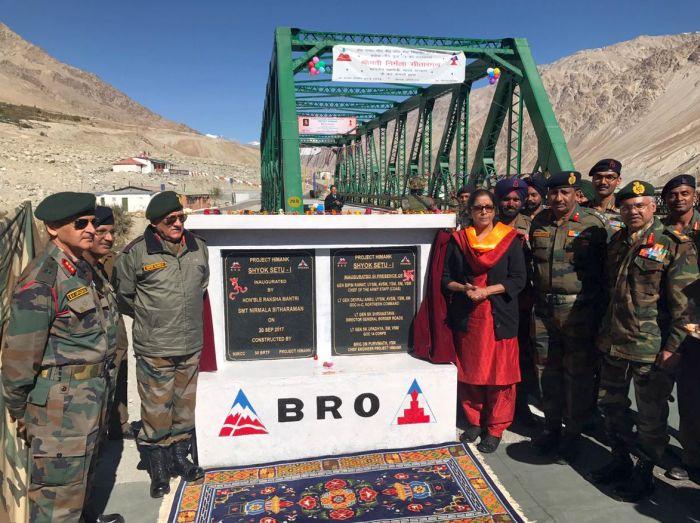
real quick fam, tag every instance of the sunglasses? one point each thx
(482, 208)
(82, 223)
(170, 220)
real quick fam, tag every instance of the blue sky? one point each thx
(205, 63)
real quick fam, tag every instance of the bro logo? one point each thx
(289, 410)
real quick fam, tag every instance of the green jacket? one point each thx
(569, 258)
(164, 293)
(58, 316)
(647, 310)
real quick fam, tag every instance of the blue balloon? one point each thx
(321, 69)
(491, 73)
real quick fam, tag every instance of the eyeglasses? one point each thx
(170, 220)
(82, 223)
(482, 208)
(639, 207)
(606, 177)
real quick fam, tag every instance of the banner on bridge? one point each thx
(387, 64)
(327, 124)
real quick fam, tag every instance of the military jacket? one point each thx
(103, 270)
(522, 225)
(57, 317)
(568, 258)
(164, 293)
(612, 215)
(693, 227)
(647, 309)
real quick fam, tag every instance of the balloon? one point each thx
(313, 70)
(492, 81)
(490, 71)
(492, 74)
(321, 70)
(310, 63)
(497, 71)
(322, 63)
(315, 59)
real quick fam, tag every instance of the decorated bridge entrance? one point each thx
(371, 98)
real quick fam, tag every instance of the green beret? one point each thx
(586, 187)
(564, 179)
(63, 205)
(634, 189)
(163, 204)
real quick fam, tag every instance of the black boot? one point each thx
(548, 441)
(618, 469)
(523, 414)
(470, 434)
(488, 444)
(158, 468)
(569, 447)
(641, 484)
(183, 466)
(109, 518)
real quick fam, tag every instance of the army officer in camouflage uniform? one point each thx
(160, 279)
(649, 266)
(680, 197)
(101, 257)
(568, 251)
(60, 341)
(606, 176)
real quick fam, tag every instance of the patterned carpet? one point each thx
(436, 483)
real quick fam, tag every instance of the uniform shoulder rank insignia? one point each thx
(615, 224)
(678, 235)
(650, 240)
(657, 252)
(69, 267)
(576, 217)
(76, 293)
(155, 266)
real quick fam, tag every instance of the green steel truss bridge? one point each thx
(373, 166)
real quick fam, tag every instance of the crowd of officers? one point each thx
(64, 352)
(613, 298)
(601, 261)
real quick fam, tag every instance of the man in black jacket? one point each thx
(333, 202)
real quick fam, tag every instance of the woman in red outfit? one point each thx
(484, 273)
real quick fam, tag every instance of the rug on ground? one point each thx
(436, 483)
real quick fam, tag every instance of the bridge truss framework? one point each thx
(373, 166)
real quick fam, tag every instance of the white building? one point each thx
(131, 199)
(141, 164)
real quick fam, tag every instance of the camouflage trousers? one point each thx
(689, 402)
(565, 364)
(63, 419)
(118, 414)
(652, 389)
(168, 390)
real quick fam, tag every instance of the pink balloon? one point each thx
(310, 64)
(314, 70)
(315, 59)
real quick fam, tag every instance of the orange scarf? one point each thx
(492, 239)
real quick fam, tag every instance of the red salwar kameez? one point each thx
(487, 369)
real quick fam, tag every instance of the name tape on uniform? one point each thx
(155, 266)
(77, 293)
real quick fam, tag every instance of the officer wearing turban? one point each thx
(536, 194)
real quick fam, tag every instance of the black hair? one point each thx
(481, 192)
(463, 189)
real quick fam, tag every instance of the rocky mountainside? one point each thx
(61, 128)
(637, 101)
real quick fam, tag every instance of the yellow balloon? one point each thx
(496, 71)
